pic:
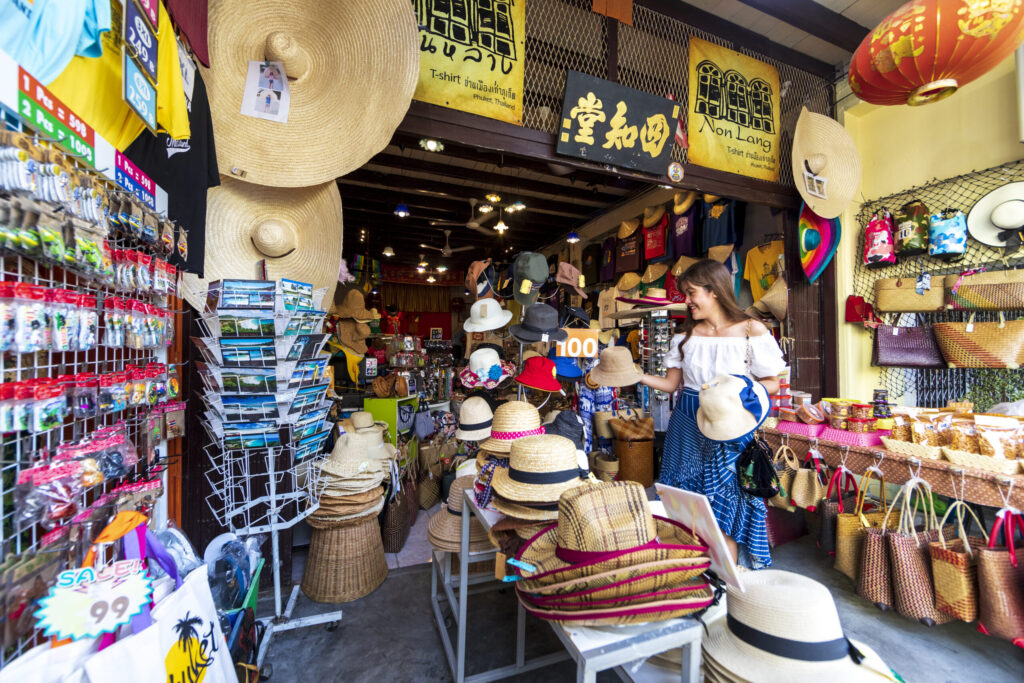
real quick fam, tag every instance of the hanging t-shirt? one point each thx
(591, 262)
(607, 260)
(92, 89)
(655, 246)
(606, 306)
(42, 36)
(627, 254)
(762, 267)
(185, 169)
(683, 233)
(190, 16)
(719, 224)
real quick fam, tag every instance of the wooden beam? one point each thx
(818, 20)
(739, 36)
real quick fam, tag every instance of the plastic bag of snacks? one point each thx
(964, 435)
(998, 436)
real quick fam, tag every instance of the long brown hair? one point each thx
(715, 278)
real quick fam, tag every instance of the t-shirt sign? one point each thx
(612, 124)
(140, 40)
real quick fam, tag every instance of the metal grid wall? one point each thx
(933, 388)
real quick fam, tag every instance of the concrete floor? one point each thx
(390, 635)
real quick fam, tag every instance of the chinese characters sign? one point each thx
(471, 56)
(733, 112)
(612, 124)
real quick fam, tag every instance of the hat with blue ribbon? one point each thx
(731, 407)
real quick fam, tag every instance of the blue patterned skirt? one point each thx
(692, 462)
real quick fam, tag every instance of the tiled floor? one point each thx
(417, 548)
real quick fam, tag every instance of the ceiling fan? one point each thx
(446, 251)
(473, 223)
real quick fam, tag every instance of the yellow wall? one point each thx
(902, 147)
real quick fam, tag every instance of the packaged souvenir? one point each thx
(49, 407)
(26, 240)
(88, 323)
(860, 426)
(89, 249)
(810, 414)
(65, 324)
(114, 322)
(7, 316)
(5, 218)
(57, 491)
(50, 229)
(21, 410)
(167, 237)
(837, 421)
(143, 272)
(879, 241)
(150, 228)
(31, 329)
(947, 235)
(173, 383)
(139, 389)
(964, 436)
(901, 430)
(842, 408)
(7, 407)
(998, 436)
(85, 395)
(922, 431)
(912, 229)
(174, 420)
(788, 414)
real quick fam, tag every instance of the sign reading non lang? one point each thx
(140, 40)
(579, 344)
(130, 177)
(733, 112)
(51, 117)
(612, 124)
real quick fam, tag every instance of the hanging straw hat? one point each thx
(653, 214)
(296, 231)
(330, 52)
(570, 276)
(654, 272)
(540, 468)
(682, 201)
(353, 335)
(681, 265)
(998, 215)
(775, 300)
(353, 305)
(731, 406)
(784, 627)
(480, 279)
(475, 418)
(486, 315)
(628, 281)
(627, 228)
(445, 528)
(615, 368)
(822, 147)
(512, 420)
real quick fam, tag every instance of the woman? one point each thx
(717, 338)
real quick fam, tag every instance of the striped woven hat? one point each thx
(540, 469)
(646, 577)
(512, 420)
(445, 528)
(633, 613)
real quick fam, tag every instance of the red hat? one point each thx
(539, 373)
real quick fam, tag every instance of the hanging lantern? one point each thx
(925, 50)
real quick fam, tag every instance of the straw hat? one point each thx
(601, 527)
(731, 406)
(475, 418)
(363, 421)
(353, 335)
(681, 264)
(330, 521)
(536, 512)
(615, 368)
(540, 324)
(682, 201)
(485, 369)
(445, 528)
(628, 281)
(539, 373)
(297, 232)
(353, 305)
(784, 627)
(627, 228)
(775, 300)
(637, 579)
(530, 353)
(654, 272)
(512, 420)
(540, 468)
(617, 596)
(998, 215)
(604, 337)
(817, 240)
(480, 279)
(570, 275)
(632, 613)
(330, 52)
(653, 214)
(720, 253)
(486, 315)
(822, 147)
(356, 455)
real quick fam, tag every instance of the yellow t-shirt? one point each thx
(762, 267)
(91, 87)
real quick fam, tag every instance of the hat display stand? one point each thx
(266, 416)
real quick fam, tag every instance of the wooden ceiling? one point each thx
(439, 187)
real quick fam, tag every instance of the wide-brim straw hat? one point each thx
(330, 52)
(362, 420)
(617, 596)
(343, 486)
(486, 315)
(642, 613)
(731, 407)
(995, 215)
(627, 228)
(540, 469)
(682, 264)
(653, 214)
(654, 272)
(636, 579)
(327, 520)
(775, 300)
(535, 511)
(628, 281)
(512, 420)
(475, 419)
(823, 145)
(682, 201)
(345, 562)
(353, 305)
(615, 368)
(784, 627)
(353, 335)
(445, 528)
(297, 232)
(603, 527)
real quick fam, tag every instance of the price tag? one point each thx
(138, 93)
(579, 344)
(140, 39)
(152, 11)
(371, 367)
(85, 603)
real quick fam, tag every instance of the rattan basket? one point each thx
(914, 450)
(345, 563)
(899, 295)
(982, 462)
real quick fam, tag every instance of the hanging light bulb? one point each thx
(431, 279)
(402, 211)
(500, 225)
(431, 145)
(420, 270)
(442, 268)
(573, 238)
(423, 261)
(493, 197)
(516, 206)
(388, 251)
(485, 208)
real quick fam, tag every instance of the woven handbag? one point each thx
(1001, 583)
(632, 428)
(428, 491)
(994, 290)
(899, 295)
(906, 347)
(874, 580)
(786, 465)
(982, 345)
(912, 585)
(851, 527)
(808, 486)
(636, 461)
(384, 386)
(842, 482)
(604, 465)
(955, 567)
(410, 486)
(394, 523)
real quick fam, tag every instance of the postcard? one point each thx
(243, 294)
(248, 352)
(307, 398)
(241, 407)
(306, 346)
(297, 295)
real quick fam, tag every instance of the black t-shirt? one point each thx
(185, 169)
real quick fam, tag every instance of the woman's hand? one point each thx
(669, 383)
(771, 384)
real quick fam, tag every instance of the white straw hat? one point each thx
(486, 315)
(297, 231)
(823, 146)
(997, 215)
(331, 52)
(475, 418)
(731, 407)
(784, 627)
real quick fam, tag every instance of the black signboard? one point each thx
(612, 124)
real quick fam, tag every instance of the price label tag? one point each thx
(371, 367)
(138, 93)
(85, 603)
(579, 344)
(140, 39)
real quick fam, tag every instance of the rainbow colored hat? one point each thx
(818, 239)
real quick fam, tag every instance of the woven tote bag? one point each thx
(808, 488)
(982, 345)
(604, 465)
(636, 461)
(899, 295)
(1001, 583)
(906, 347)
(394, 525)
(874, 580)
(786, 464)
(994, 290)
(831, 509)
(851, 527)
(955, 566)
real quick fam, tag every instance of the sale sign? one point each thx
(87, 602)
(51, 117)
(579, 344)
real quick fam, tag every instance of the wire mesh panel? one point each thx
(934, 388)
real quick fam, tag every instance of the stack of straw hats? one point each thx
(608, 560)
(513, 420)
(445, 528)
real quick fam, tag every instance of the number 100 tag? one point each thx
(579, 344)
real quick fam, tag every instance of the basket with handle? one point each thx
(899, 295)
(851, 527)
(841, 482)
(1001, 581)
(808, 483)
(955, 566)
(982, 345)
(786, 465)
(978, 290)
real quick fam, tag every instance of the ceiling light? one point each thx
(573, 237)
(423, 261)
(388, 251)
(420, 270)
(666, 187)
(373, 291)
(501, 227)
(442, 268)
(517, 206)
(431, 145)
(402, 211)
(485, 208)
(493, 197)
(431, 279)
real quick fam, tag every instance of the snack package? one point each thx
(998, 436)
(923, 432)
(964, 435)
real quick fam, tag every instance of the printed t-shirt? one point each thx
(185, 169)
(627, 255)
(92, 88)
(608, 260)
(606, 306)
(43, 36)
(655, 245)
(683, 233)
(762, 267)
(591, 263)
(719, 224)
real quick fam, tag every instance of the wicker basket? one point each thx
(994, 290)
(636, 461)
(899, 295)
(981, 345)
(914, 450)
(982, 462)
(345, 563)
(605, 466)
(955, 567)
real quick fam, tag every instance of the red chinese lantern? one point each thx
(926, 49)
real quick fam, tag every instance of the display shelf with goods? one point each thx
(397, 413)
(934, 386)
(655, 339)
